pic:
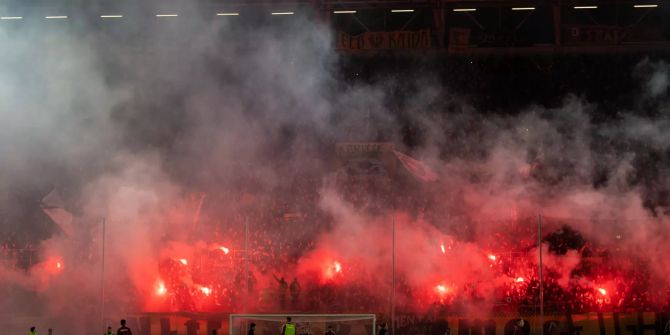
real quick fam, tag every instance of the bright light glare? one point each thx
(465, 9)
(519, 280)
(111, 16)
(344, 12)
(442, 247)
(161, 290)
(402, 10)
(282, 13)
(602, 291)
(586, 7)
(645, 6)
(183, 261)
(225, 250)
(523, 8)
(167, 15)
(338, 267)
(492, 257)
(11, 17)
(56, 17)
(441, 288)
(227, 14)
(206, 290)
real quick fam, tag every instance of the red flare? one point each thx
(183, 261)
(519, 280)
(492, 257)
(160, 288)
(337, 266)
(332, 269)
(206, 290)
(602, 291)
(224, 249)
(442, 247)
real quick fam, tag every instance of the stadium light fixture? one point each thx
(465, 9)
(402, 10)
(585, 7)
(523, 8)
(167, 15)
(11, 17)
(645, 6)
(228, 14)
(282, 13)
(344, 12)
(56, 17)
(111, 16)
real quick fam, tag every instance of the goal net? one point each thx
(305, 324)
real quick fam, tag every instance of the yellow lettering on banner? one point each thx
(649, 318)
(588, 322)
(627, 321)
(608, 323)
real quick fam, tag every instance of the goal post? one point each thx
(311, 324)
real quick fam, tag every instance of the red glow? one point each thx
(212, 281)
(59, 265)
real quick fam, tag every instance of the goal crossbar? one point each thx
(301, 317)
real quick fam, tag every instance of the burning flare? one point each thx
(332, 269)
(337, 266)
(183, 261)
(160, 289)
(224, 249)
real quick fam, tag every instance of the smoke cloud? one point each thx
(175, 134)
